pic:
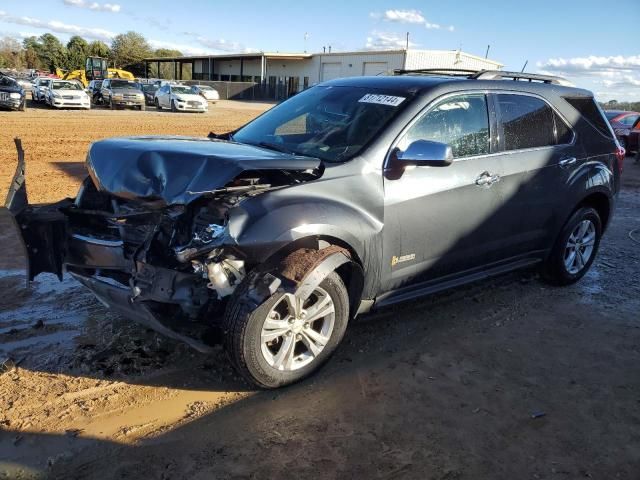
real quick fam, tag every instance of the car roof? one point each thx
(418, 84)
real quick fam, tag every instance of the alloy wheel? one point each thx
(296, 331)
(580, 245)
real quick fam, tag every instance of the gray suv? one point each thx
(116, 92)
(353, 195)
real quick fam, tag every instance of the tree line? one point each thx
(47, 53)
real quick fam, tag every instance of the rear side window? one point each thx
(591, 113)
(527, 122)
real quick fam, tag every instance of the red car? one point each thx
(625, 126)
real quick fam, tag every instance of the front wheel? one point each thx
(173, 106)
(576, 248)
(285, 340)
(158, 107)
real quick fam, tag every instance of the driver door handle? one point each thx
(567, 162)
(487, 179)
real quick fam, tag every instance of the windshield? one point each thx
(123, 84)
(330, 123)
(66, 86)
(181, 89)
(204, 87)
(150, 88)
(7, 82)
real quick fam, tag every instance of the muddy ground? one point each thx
(503, 379)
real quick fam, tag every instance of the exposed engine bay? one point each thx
(175, 261)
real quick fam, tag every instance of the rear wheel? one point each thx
(173, 106)
(576, 248)
(285, 340)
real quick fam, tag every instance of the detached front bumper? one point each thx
(119, 299)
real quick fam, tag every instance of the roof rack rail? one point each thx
(454, 72)
(488, 75)
(520, 76)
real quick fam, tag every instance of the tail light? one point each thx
(620, 153)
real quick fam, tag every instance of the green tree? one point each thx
(99, 49)
(128, 50)
(77, 52)
(53, 53)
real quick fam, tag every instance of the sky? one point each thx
(593, 43)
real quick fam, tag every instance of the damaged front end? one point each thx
(149, 237)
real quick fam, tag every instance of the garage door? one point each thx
(374, 68)
(330, 71)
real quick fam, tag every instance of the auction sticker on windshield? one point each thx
(390, 100)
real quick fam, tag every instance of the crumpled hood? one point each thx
(177, 170)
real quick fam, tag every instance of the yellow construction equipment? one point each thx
(95, 69)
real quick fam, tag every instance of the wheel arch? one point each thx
(351, 272)
(600, 202)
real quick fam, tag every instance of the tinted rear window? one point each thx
(591, 113)
(527, 122)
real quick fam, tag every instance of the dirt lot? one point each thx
(504, 379)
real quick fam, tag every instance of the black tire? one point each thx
(173, 106)
(242, 327)
(554, 269)
(158, 107)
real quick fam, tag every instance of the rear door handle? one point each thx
(567, 162)
(487, 179)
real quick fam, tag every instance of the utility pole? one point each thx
(486, 55)
(306, 36)
(407, 47)
(524, 66)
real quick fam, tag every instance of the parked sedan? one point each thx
(207, 92)
(67, 94)
(179, 98)
(12, 95)
(622, 122)
(632, 138)
(40, 88)
(93, 89)
(149, 91)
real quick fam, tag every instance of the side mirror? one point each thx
(426, 153)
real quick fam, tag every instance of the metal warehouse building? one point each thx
(280, 75)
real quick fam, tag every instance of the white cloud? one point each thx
(387, 41)
(412, 17)
(614, 76)
(59, 27)
(102, 7)
(592, 64)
